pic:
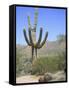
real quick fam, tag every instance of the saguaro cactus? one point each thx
(31, 41)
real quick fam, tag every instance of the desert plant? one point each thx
(29, 41)
(48, 64)
(62, 60)
(61, 38)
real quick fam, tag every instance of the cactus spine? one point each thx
(32, 36)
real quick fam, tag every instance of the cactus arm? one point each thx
(26, 38)
(30, 38)
(40, 37)
(29, 21)
(43, 42)
(35, 19)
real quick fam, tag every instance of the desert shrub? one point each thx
(23, 67)
(18, 64)
(61, 38)
(23, 64)
(62, 60)
(48, 64)
(42, 65)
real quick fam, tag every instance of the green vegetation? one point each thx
(23, 63)
(40, 66)
(48, 64)
(61, 38)
(23, 67)
(51, 59)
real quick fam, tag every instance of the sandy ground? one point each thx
(59, 76)
(27, 79)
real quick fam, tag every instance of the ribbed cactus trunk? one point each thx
(33, 34)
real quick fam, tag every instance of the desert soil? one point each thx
(27, 79)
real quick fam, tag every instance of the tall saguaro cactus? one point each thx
(31, 41)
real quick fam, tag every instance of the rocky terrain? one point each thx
(48, 77)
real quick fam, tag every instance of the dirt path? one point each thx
(27, 79)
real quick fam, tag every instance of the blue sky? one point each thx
(51, 20)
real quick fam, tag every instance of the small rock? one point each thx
(47, 77)
(41, 79)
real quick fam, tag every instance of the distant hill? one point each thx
(50, 48)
